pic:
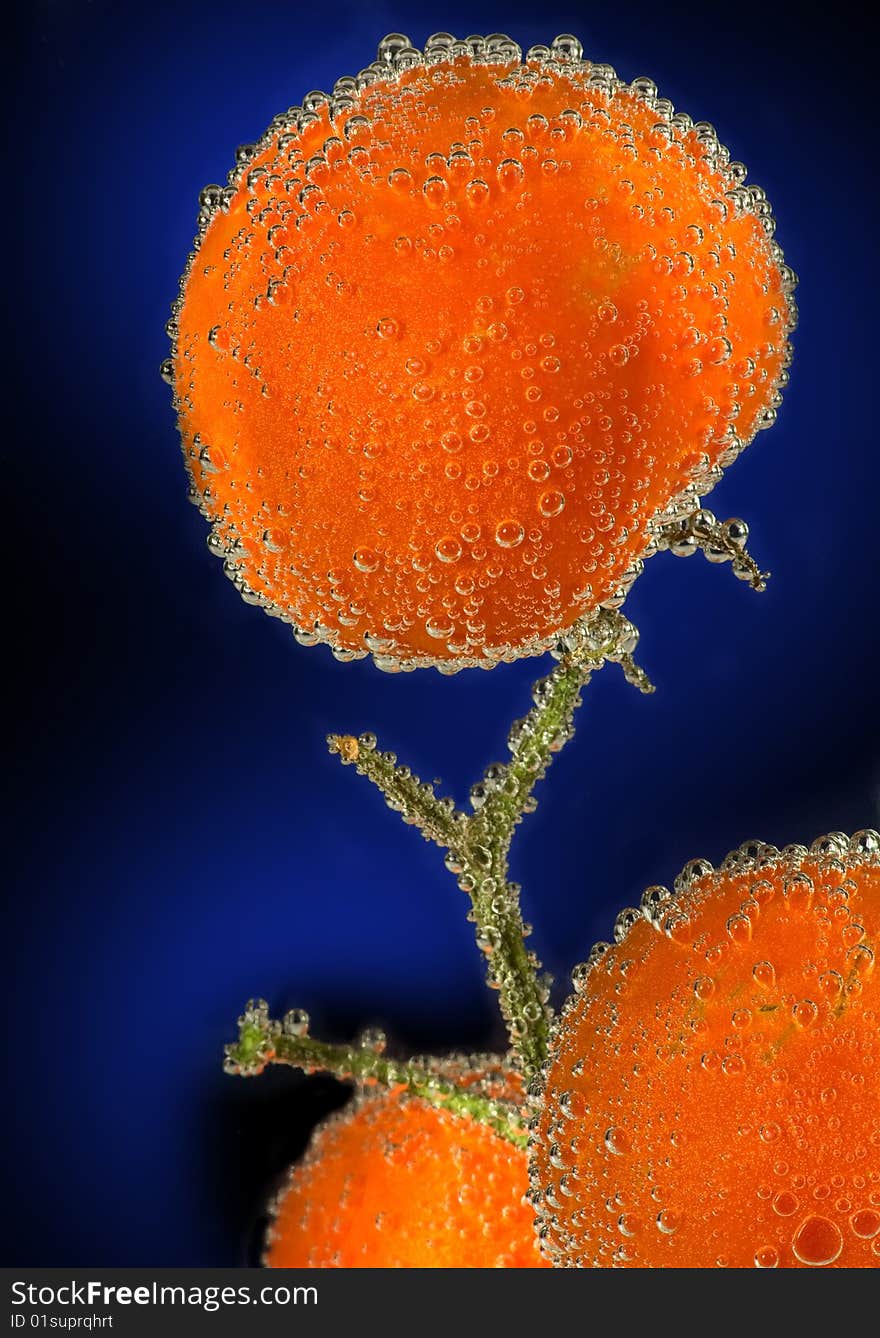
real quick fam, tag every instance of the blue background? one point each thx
(179, 838)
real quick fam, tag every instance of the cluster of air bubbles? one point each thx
(720, 541)
(258, 1035)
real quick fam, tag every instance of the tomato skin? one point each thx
(713, 1093)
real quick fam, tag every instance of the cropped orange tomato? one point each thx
(393, 1182)
(713, 1096)
(455, 340)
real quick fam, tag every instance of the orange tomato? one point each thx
(394, 1182)
(456, 339)
(713, 1095)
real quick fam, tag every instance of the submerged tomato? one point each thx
(713, 1096)
(455, 339)
(393, 1182)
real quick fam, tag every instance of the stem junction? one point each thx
(478, 843)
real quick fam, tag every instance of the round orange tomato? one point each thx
(394, 1182)
(713, 1095)
(457, 338)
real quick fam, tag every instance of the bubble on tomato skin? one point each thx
(860, 959)
(831, 984)
(552, 503)
(865, 1224)
(448, 549)
(852, 933)
(440, 627)
(805, 1013)
(629, 1225)
(764, 974)
(366, 560)
(817, 1242)
(617, 1142)
(739, 928)
(509, 534)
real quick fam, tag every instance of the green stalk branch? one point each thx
(478, 844)
(404, 793)
(263, 1041)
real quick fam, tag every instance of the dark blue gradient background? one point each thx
(179, 838)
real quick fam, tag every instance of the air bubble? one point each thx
(817, 1242)
(439, 627)
(739, 928)
(509, 534)
(764, 974)
(448, 549)
(366, 560)
(476, 192)
(805, 1012)
(831, 984)
(860, 959)
(852, 933)
(296, 1022)
(551, 503)
(617, 1142)
(865, 1224)
(436, 190)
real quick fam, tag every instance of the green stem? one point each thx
(478, 844)
(262, 1041)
